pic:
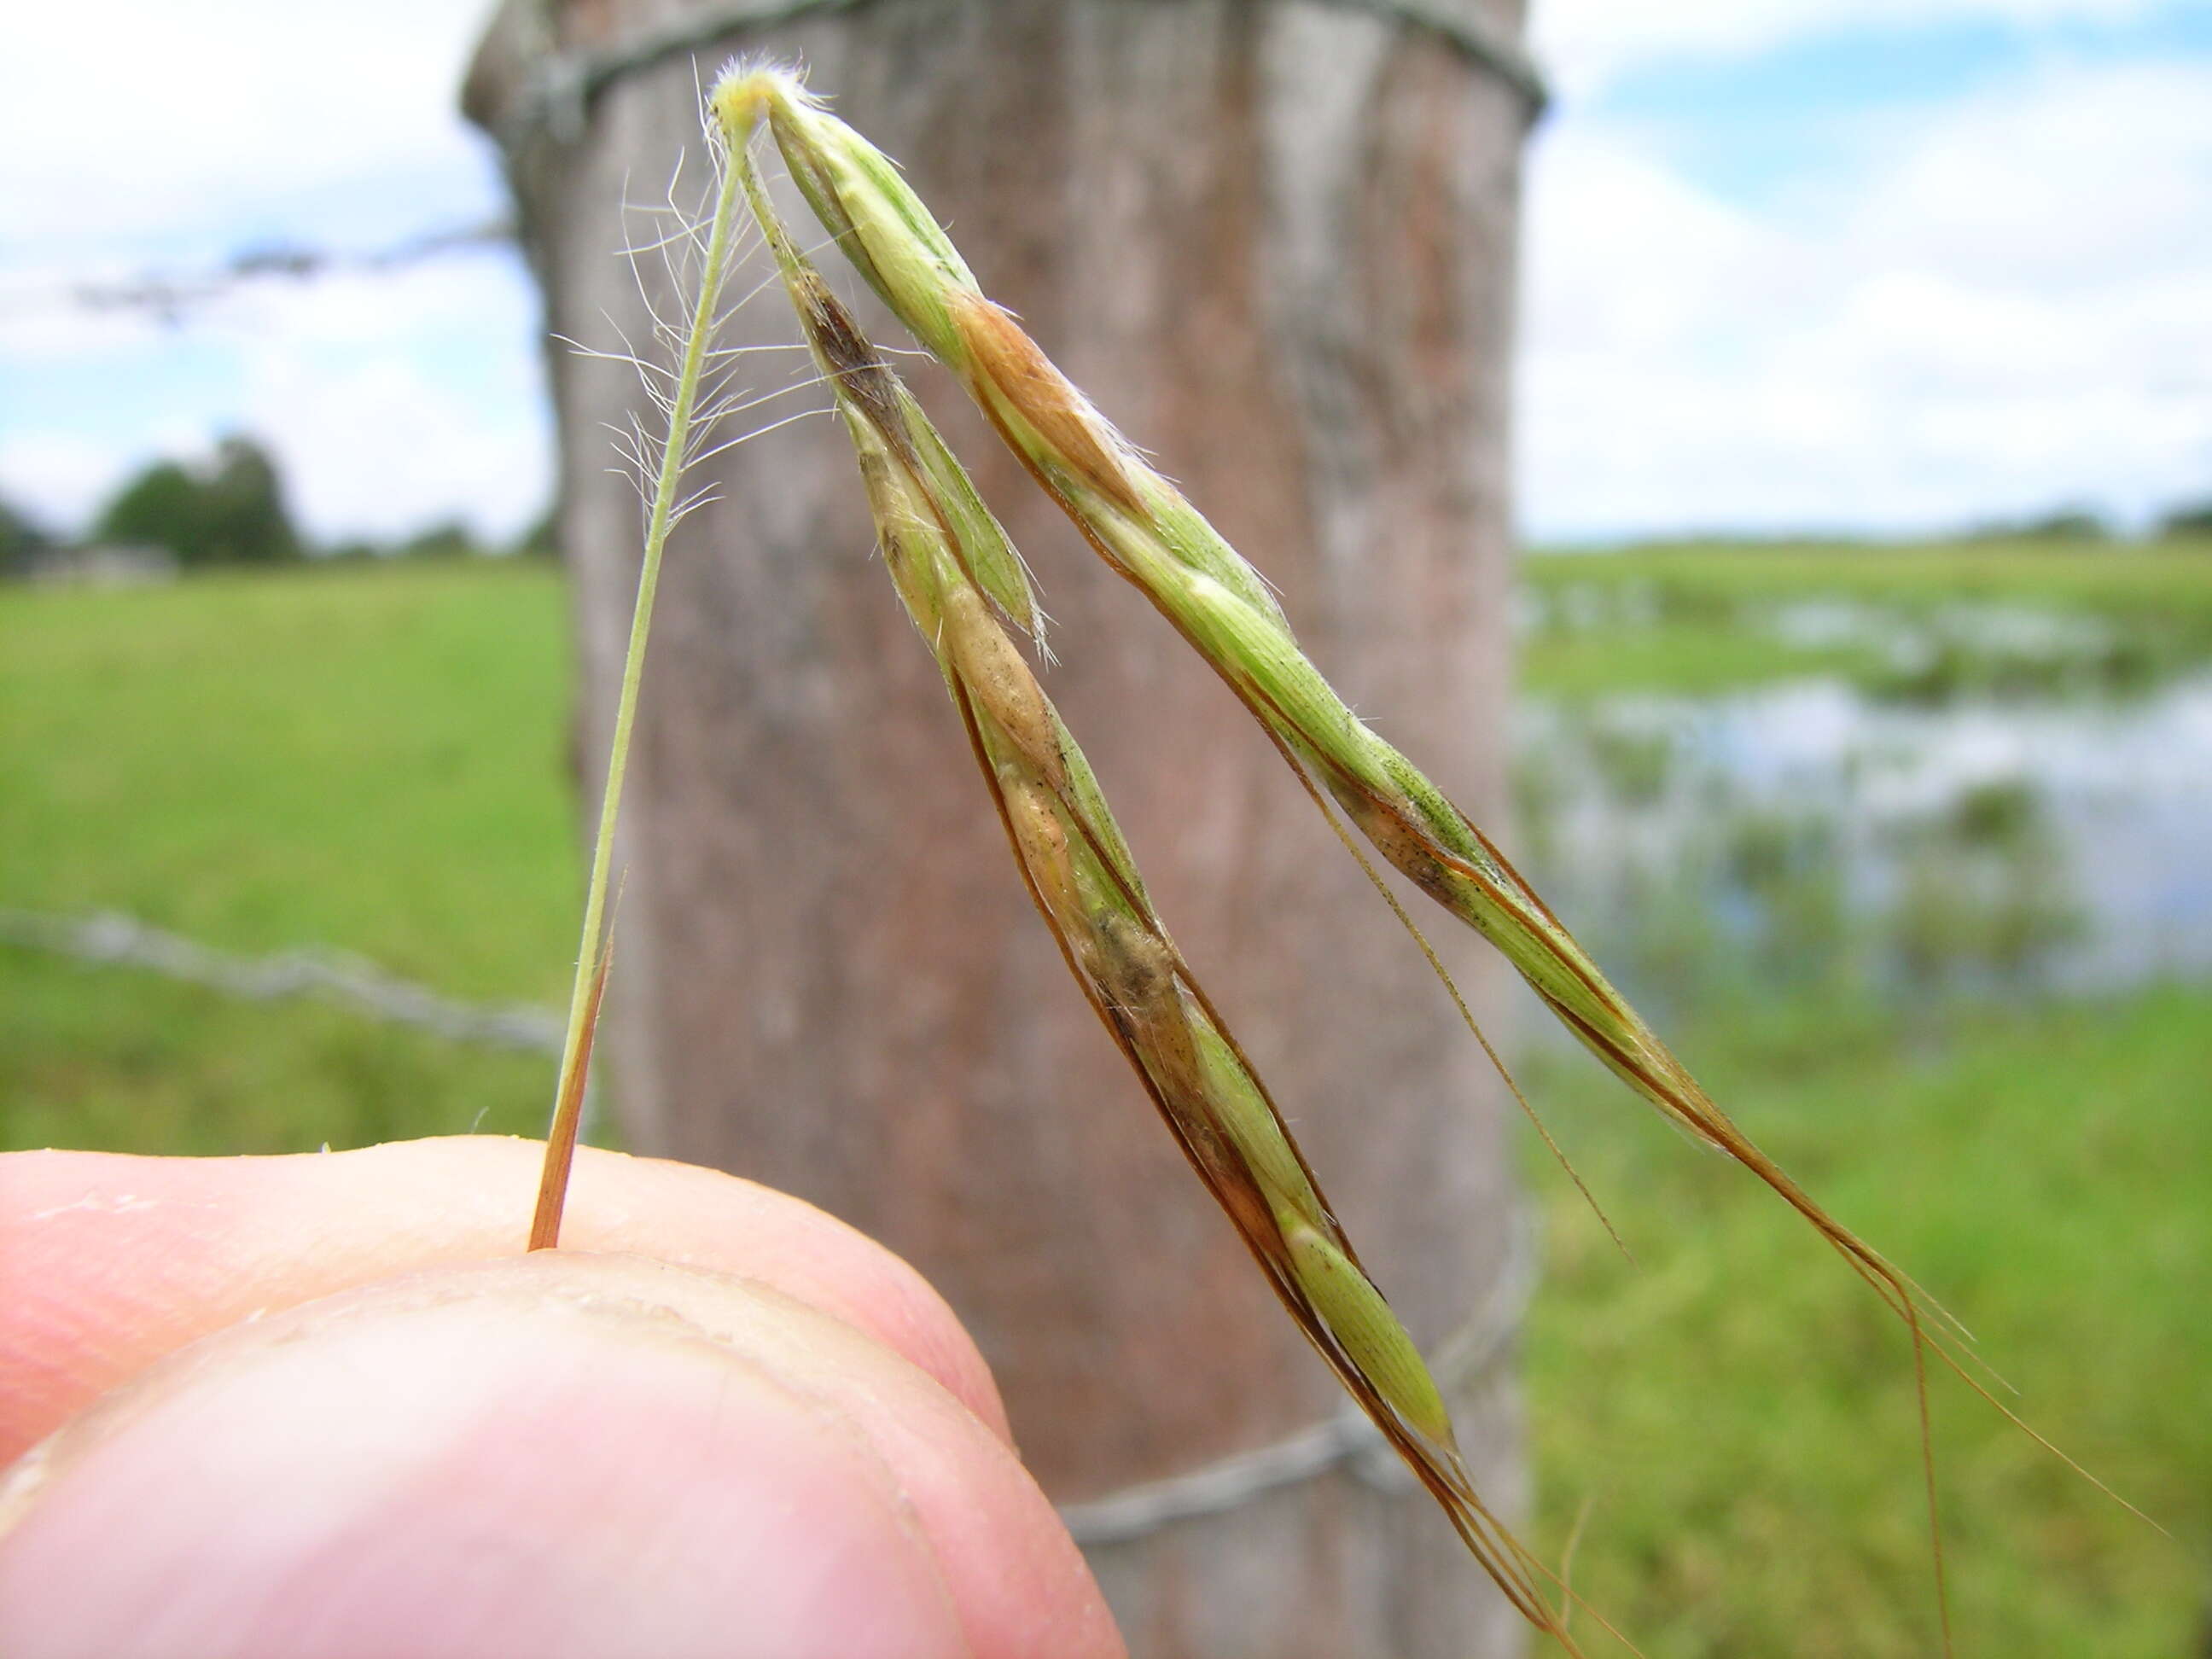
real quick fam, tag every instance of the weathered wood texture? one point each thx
(1276, 243)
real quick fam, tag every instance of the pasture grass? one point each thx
(1687, 659)
(2151, 577)
(115, 1059)
(371, 759)
(1692, 619)
(1739, 1417)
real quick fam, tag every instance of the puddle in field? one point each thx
(1822, 833)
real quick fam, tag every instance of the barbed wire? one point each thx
(170, 296)
(1346, 1439)
(108, 937)
(1343, 1440)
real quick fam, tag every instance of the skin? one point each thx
(321, 1405)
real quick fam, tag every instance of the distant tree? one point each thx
(2065, 524)
(231, 511)
(2068, 525)
(542, 540)
(2190, 519)
(21, 538)
(450, 539)
(245, 501)
(160, 505)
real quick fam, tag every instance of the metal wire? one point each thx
(1346, 1440)
(330, 975)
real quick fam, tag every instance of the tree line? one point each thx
(229, 509)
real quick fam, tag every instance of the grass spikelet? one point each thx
(1086, 885)
(1145, 528)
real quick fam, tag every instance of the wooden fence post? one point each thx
(1276, 242)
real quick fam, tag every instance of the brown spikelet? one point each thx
(1029, 382)
(1002, 682)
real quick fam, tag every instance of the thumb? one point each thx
(559, 1456)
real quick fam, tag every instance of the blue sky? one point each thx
(1875, 264)
(1881, 264)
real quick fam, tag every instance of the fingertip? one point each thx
(107, 1262)
(561, 1455)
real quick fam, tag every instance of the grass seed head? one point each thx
(1078, 869)
(1144, 525)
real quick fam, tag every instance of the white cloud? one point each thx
(159, 115)
(1583, 44)
(391, 401)
(59, 477)
(40, 322)
(2060, 184)
(379, 448)
(2009, 308)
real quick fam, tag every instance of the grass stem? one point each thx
(591, 956)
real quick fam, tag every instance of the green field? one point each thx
(1738, 1410)
(1690, 619)
(375, 760)
(372, 760)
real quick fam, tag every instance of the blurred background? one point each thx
(1862, 463)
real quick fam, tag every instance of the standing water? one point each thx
(1819, 831)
